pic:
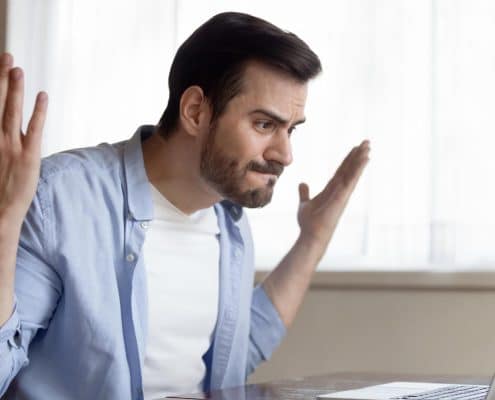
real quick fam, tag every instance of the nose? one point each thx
(280, 149)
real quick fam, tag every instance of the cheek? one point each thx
(236, 137)
(245, 143)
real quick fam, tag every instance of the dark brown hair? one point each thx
(214, 56)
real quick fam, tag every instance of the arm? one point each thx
(287, 284)
(19, 171)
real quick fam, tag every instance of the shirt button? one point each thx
(130, 257)
(144, 225)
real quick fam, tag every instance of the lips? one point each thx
(270, 168)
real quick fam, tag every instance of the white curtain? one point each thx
(104, 64)
(416, 77)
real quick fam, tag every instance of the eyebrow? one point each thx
(276, 117)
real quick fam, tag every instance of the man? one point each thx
(126, 270)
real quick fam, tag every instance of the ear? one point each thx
(195, 111)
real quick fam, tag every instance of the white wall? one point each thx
(385, 330)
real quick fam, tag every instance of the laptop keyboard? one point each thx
(450, 393)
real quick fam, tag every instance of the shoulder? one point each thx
(85, 176)
(75, 162)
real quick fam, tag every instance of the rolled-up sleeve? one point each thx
(12, 356)
(266, 330)
(37, 290)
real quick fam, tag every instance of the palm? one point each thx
(318, 217)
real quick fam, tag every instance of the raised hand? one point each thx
(19, 171)
(318, 217)
(19, 153)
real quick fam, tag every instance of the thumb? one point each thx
(303, 192)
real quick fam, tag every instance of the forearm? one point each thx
(9, 241)
(287, 284)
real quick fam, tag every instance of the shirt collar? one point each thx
(234, 210)
(139, 200)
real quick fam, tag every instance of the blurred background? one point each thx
(407, 284)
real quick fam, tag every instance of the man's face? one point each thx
(248, 146)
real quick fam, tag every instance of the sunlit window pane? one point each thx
(415, 77)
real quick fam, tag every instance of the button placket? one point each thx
(237, 252)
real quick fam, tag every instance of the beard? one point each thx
(227, 176)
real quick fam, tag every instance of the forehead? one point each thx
(266, 87)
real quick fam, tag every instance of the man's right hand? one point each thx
(19, 171)
(19, 154)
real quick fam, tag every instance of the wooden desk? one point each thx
(308, 388)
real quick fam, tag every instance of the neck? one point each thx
(172, 167)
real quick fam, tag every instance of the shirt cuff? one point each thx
(9, 330)
(267, 329)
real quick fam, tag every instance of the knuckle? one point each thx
(9, 152)
(4, 71)
(14, 149)
(10, 115)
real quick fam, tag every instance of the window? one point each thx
(415, 77)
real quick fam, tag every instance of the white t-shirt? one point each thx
(181, 254)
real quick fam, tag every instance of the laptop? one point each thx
(416, 391)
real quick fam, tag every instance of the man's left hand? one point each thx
(318, 217)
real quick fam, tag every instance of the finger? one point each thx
(356, 166)
(348, 169)
(349, 188)
(6, 61)
(357, 155)
(365, 143)
(12, 117)
(344, 189)
(347, 160)
(303, 192)
(355, 152)
(339, 174)
(32, 140)
(358, 171)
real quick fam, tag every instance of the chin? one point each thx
(253, 198)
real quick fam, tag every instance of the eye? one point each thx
(292, 129)
(265, 125)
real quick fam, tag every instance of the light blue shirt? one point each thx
(78, 330)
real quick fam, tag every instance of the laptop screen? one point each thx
(491, 392)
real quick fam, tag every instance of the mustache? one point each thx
(270, 167)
